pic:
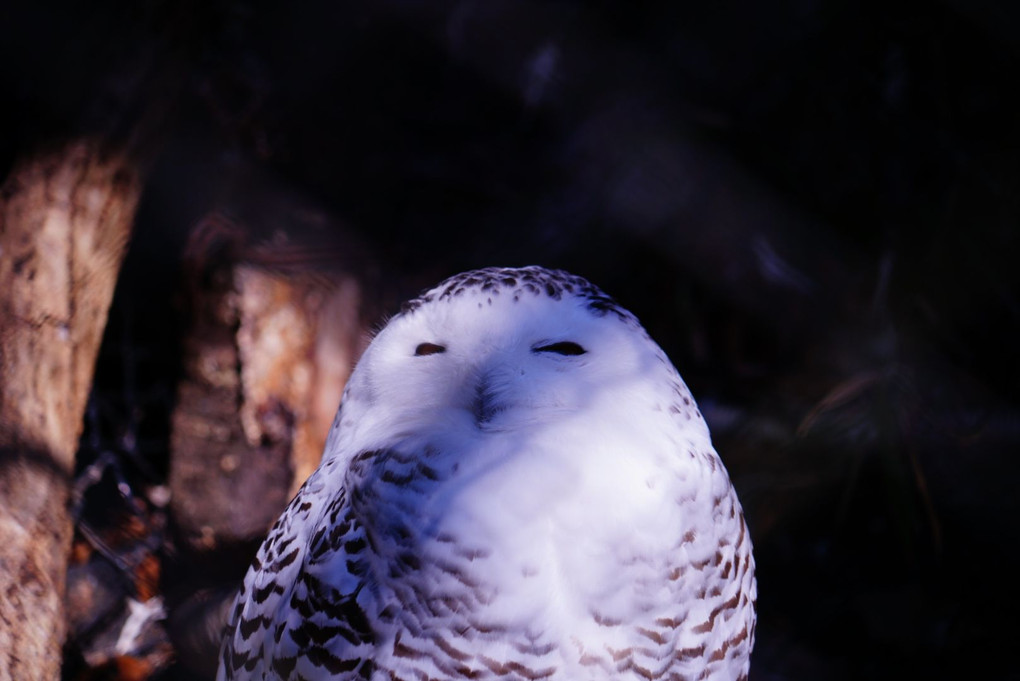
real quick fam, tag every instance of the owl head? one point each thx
(498, 350)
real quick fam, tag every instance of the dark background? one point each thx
(812, 206)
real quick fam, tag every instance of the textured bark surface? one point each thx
(65, 218)
(299, 337)
(266, 358)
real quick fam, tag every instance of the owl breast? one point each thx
(481, 565)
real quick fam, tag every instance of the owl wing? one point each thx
(297, 615)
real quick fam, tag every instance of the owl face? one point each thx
(505, 357)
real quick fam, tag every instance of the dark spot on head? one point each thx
(536, 281)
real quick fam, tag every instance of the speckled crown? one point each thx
(519, 281)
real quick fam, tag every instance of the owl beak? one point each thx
(489, 398)
(485, 405)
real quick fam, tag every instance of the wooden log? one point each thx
(299, 337)
(270, 347)
(65, 219)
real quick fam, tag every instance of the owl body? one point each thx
(518, 485)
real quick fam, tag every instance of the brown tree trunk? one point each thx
(269, 350)
(65, 218)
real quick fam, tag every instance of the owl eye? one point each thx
(429, 349)
(566, 348)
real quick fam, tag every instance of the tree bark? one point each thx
(266, 358)
(65, 219)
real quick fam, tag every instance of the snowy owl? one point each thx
(518, 485)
